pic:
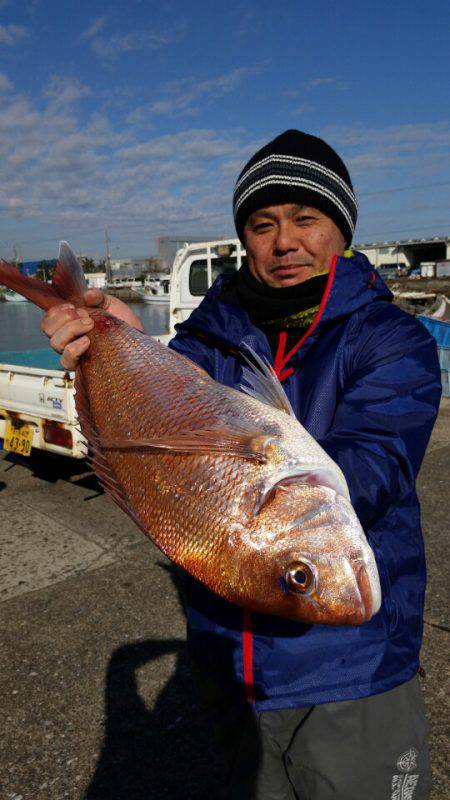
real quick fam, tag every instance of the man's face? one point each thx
(288, 243)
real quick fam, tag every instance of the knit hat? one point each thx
(296, 168)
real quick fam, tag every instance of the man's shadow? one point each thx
(164, 751)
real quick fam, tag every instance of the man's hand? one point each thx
(67, 326)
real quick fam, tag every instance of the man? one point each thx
(315, 712)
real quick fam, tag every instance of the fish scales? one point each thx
(161, 479)
(232, 489)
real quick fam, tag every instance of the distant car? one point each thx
(387, 273)
(414, 272)
(392, 265)
(391, 270)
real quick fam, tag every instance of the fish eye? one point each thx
(299, 577)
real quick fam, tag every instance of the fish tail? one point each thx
(68, 283)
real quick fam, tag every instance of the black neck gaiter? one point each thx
(281, 308)
(291, 309)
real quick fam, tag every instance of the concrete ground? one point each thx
(97, 702)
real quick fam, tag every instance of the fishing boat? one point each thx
(156, 292)
(14, 297)
(440, 309)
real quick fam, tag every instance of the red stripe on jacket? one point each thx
(248, 657)
(281, 359)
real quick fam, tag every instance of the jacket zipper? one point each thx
(280, 362)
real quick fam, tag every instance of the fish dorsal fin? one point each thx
(68, 277)
(263, 384)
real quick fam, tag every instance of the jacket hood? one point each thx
(353, 283)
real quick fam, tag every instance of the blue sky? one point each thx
(140, 115)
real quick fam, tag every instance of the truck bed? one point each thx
(37, 400)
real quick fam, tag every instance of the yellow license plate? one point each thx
(18, 440)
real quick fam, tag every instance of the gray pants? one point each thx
(373, 748)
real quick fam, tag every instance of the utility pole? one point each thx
(15, 256)
(108, 262)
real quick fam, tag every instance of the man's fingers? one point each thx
(66, 326)
(73, 351)
(69, 332)
(56, 317)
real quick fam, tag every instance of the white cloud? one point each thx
(5, 83)
(139, 116)
(69, 170)
(316, 83)
(110, 46)
(420, 148)
(11, 34)
(249, 23)
(32, 7)
(93, 29)
(17, 116)
(397, 136)
(198, 143)
(63, 91)
(64, 170)
(184, 96)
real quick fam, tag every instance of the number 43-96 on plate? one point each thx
(18, 440)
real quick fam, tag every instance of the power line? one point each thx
(410, 228)
(404, 188)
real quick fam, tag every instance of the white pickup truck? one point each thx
(37, 403)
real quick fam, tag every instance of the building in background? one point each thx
(407, 252)
(167, 246)
(96, 280)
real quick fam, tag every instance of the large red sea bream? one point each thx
(228, 484)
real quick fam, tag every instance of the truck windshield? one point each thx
(198, 277)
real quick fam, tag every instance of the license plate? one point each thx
(18, 440)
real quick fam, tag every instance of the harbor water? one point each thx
(19, 324)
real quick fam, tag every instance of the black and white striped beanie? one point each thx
(296, 168)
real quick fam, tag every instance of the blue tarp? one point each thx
(440, 330)
(29, 267)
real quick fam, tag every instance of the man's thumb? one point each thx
(97, 299)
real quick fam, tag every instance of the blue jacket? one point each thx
(365, 383)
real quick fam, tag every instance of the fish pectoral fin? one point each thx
(261, 383)
(230, 441)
